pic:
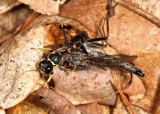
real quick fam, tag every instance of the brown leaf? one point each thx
(44, 101)
(128, 30)
(49, 7)
(129, 34)
(150, 6)
(8, 5)
(123, 109)
(93, 109)
(2, 111)
(12, 19)
(56, 101)
(150, 65)
(148, 9)
(28, 106)
(82, 87)
(87, 12)
(18, 74)
(135, 90)
(157, 110)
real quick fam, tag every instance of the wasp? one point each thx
(57, 57)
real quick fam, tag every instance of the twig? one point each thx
(123, 96)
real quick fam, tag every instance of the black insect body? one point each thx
(74, 43)
(77, 42)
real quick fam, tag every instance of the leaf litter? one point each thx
(49, 7)
(128, 34)
(58, 103)
(128, 48)
(18, 66)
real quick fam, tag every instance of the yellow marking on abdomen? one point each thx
(74, 46)
(69, 50)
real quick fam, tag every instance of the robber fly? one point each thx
(101, 60)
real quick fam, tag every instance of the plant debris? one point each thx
(80, 91)
(49, 7)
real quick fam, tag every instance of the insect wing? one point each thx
(122, 58)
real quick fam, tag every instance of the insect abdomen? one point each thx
(131, 69)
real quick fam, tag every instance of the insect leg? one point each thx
(69, 65)
(92, 53)
(67, 33)
(61, 26)
(97, 39)
(110, 12)
(50, 77)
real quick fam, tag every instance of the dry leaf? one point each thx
(44, 101)
(135, 90)
(87, 12)
(18, 71)
(122, 109)
(49, 7)
(128, 30)
(28, 106)
(150, 6)
(93, 109)
(6, 5)
(57, 102)
(133, 33)
(147, 9)
(157, 110)
(82, 87)
(129, 34)
(150, 65)
(2, 111)
(12, 19)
